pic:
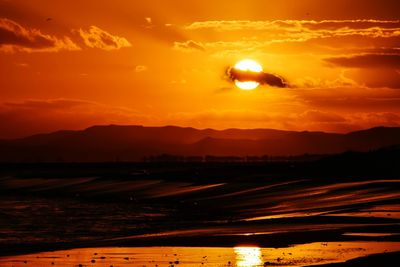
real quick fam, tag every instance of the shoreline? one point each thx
(277, 241)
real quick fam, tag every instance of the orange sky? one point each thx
(71, 64)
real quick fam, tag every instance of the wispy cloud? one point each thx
(341, 81)
(189, 46)
(327, 26)
(14, 37)
(95, 37)
(258, 34)
(141, 68)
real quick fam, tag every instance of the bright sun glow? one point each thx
(248, 65)
(248, 256)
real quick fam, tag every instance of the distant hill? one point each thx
(132, 143)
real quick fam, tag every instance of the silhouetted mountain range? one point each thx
(132, 143)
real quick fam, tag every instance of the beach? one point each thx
(291, 218)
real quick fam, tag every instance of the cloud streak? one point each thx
(367, 61)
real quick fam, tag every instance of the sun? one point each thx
(248, 65)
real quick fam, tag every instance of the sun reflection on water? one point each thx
(248, 256)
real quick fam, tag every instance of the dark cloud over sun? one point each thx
(260, 77)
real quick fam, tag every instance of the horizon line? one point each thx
(191, 127)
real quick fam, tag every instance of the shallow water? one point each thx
(94, 209)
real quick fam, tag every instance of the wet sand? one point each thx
(244, 256)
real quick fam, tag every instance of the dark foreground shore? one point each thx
(280, 205)
(383, 259)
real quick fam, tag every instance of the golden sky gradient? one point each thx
(71, 64)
